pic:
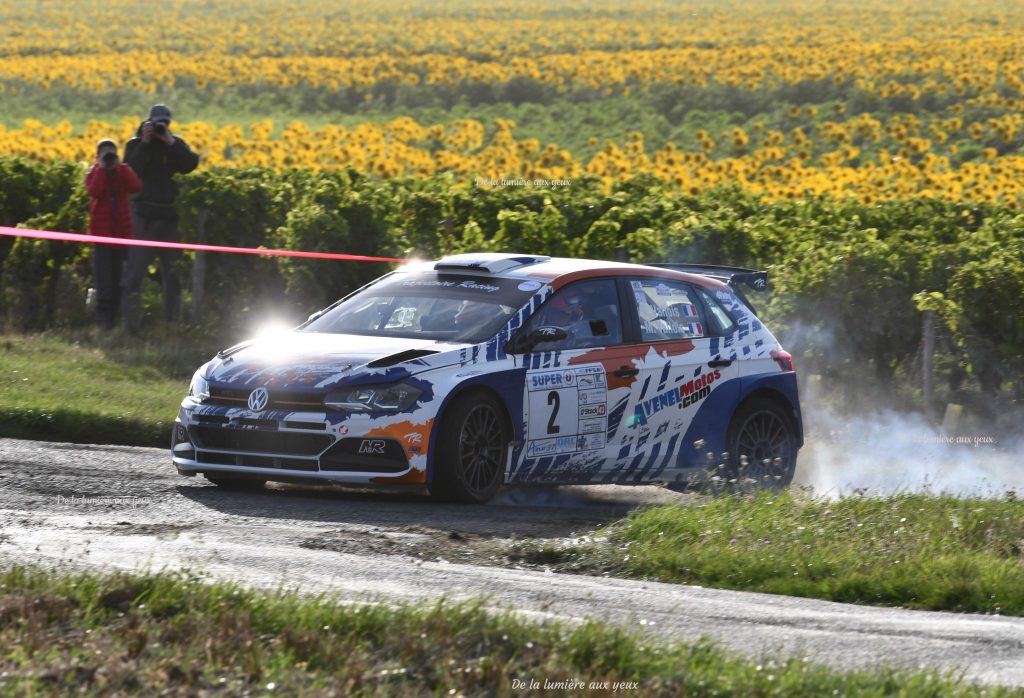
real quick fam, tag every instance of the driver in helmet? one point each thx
(565, 309)
(572, 310)
(588, 314)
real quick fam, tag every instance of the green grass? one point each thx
(101, 389)
(911, 550)
(173, 633)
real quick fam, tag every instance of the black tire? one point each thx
(762, 445)
(228, 482)
(469, 464)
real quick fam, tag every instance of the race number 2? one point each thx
(554, 401)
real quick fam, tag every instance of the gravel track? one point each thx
(404, 547)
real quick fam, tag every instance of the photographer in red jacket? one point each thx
(109, 182)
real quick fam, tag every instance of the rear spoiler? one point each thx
(733, 276)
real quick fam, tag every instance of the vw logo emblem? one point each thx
(258, 399)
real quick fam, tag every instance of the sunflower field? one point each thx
(866, 99)
(868, 152)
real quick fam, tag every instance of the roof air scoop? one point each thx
(488, 262)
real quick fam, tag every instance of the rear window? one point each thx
(431, 305)
(667, 310)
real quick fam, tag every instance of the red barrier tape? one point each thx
(93, 239)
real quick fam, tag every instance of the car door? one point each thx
(566, 400)
(665, 431)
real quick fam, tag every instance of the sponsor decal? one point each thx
(549, 447)
(405, 432)
(371, 446)
(342, 429)
(663, 290)
(428, 283)
(590, 442)
(258, 399)
(436, 283)
(476, 286)
(529, 286)
(592, 425)
(687, 394)
(552, 379)
(593, 397)
(637, 286)
(592, 411)
(723, 295)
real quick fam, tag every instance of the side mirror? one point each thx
(524, 344)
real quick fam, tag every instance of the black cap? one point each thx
(160, 112)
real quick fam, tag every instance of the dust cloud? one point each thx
(886, 451)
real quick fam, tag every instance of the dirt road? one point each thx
(371, 546)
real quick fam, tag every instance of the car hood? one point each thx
(317, 361)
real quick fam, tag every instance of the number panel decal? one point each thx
(567, 410)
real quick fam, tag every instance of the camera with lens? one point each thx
(160, 128)
(109, 158)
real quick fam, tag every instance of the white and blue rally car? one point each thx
(478, 370)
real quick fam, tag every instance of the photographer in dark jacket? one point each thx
(156, 155)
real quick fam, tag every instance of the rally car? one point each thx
(478, 370)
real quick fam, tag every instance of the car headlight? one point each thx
(395, 397)
(199, 389)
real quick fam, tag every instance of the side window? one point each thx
(588, 311)
(719, 321)
(667, 310)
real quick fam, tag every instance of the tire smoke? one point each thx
(885, 451)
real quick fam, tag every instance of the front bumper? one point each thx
(292, 445)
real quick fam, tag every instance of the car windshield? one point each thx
(445, 307)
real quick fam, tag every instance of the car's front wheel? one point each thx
(469, 464)
(762, 445)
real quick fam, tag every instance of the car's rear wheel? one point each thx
(469, 465)
(229, 482)
(762, 445)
